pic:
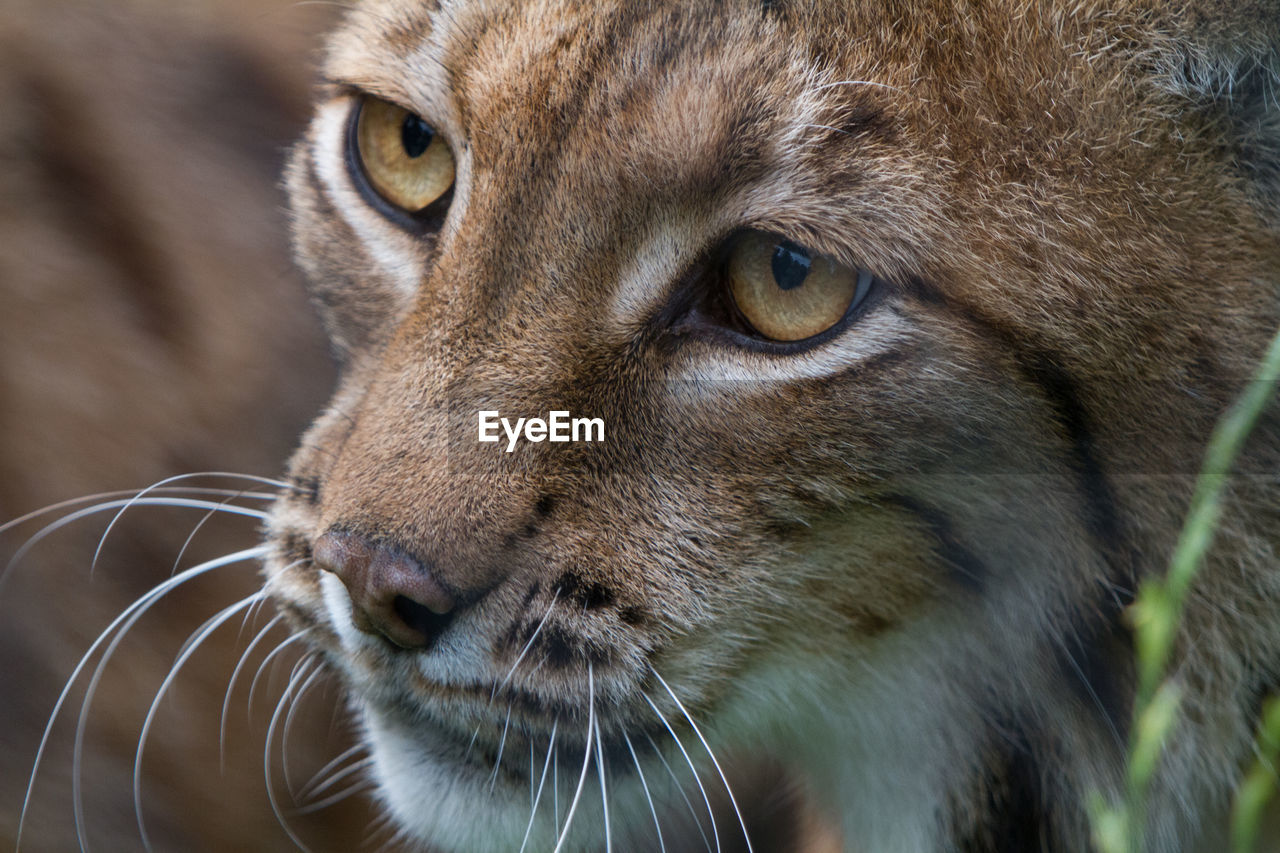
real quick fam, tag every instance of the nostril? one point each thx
(391, 593)
(420, 618)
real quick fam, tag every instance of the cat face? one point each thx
(854, 305)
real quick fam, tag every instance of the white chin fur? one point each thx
(450, 806)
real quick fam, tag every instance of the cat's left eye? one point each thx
(404, 160)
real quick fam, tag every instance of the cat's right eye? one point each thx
(787, 293)
(401, 157)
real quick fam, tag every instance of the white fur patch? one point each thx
(399, 255)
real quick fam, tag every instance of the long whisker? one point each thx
(52, 527)
(586, 759)
(604, 794)
(493, 778)
(294, 679)
(351, 769)
(288, 724)
(290, 640)
(82, 721)
(177, 561)
(728, 790)
(657, 825)
(697, 819)
(235, 674)
(715, 831)
(129, 493)
(166, 481)
(334, 799)
(138, 606)
(533, 810)
(222, 617)
(319, 782)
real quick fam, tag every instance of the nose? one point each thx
(392, 594)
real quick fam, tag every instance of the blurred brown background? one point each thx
(151, 324)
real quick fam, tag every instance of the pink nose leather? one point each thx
(392, 594)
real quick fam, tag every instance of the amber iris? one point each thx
(787, 292)
(404, 159)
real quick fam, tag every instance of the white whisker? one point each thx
(533, 810)
(333, 800)
(351, 769)
(604, 794)
(586, 759)
(177, 561)
(288, 641)
(493, 778)
(136, 608)
(294, 678)
(142, 496)
(235, 674)
(82, 721)
(288, 724)
(54, 526)
(710, 754)
(315, 785)
(222, 617)
(715, 831)
(657, 825)
(697, 819)
(128, 493)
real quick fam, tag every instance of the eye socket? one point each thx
(404, 159)
(786, 292)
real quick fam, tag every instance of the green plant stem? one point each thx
(1158, 609)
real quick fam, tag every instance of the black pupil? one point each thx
(790, 265)
(415, 136)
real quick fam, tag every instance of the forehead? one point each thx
(650, 85)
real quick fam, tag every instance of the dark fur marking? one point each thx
(590, 595)
(308, 488)
(521, 632)
(1097, 656)
(633, 616)
(545, 505)
(296, 548)
(557, 647)
(1014, 816)
(964, 567)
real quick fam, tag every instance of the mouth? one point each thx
(506, 736)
